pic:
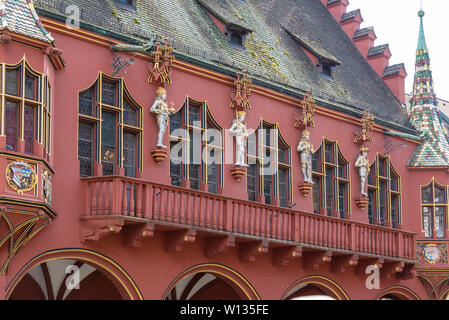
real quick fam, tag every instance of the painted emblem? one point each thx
(431, 253)
(46, 186)
(20, 176)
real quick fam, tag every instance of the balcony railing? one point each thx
(165, 204)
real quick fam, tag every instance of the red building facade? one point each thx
(88, 189)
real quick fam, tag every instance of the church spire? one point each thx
(434, 151)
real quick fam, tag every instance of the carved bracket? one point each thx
(176, 240)
(363, 264)
(313, 260)
(284, 255)
(305, 188)
(408, 272)
(219, 245)
(391, 268)
(134, 234)
(159, 155)
(4, 37)
(248, 251)
(341, 263)
(238, 173)
(95, 230)
(362, 203)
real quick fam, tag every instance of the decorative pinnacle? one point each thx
(421, 13)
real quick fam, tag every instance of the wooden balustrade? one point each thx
(122, 196)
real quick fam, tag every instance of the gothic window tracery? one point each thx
(269, 165)
(25, 102)
(330, 172)
(197, 144)
(110, 128)
(434, 209)
(384, 193)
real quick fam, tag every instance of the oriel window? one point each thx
(434, 209)
(196, 147)
(25, 100)
(330, 174)
(110, 128)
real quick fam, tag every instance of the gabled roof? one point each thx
(377, 50)
(271, 57)
(19, 16)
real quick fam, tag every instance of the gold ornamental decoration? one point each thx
(304, 119)
(367, 124)
(162, 63)
(243, 86)
(20, 176)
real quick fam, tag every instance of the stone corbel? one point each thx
(176, 240)
(284, 255)
(341, 263)
(363, 264)
(216, 246)
(313, 260)
(390, 269)
(248, 251)
(95, 230)
(134, 234)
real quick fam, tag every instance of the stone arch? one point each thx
(315, 286)
(210, 281)
(94, 267)
(397, 293)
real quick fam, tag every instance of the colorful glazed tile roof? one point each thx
(425, 116)
(19, 16)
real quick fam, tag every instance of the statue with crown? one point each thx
(238, 129)
(163, 113)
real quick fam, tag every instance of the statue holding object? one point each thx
(362, 163)
(163, 113)
(306, 150)
(240, 132)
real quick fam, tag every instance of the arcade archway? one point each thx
(314, 288)
(72, 274)
(397, 293)
(210, 282)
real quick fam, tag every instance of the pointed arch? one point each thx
(398, 293)
(324, 285)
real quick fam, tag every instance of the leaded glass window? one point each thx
(28, 134)
(434, 210)
(330, 172)
(11, 125)
(114, 116)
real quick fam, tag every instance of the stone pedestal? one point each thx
(305, 188)
(159, 154)
(362, 203)
(238, 172)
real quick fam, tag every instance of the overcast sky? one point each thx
(396, 22)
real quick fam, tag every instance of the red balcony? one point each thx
(114, 204)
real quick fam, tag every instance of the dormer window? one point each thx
(126, 4)
(325, 70)
(236, 39)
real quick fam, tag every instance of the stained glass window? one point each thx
(129, 114)
(30, 87)
(28, 134)
(434, 210)
(13, 81)
(129, 153)
(85, 148)
(109, 93)
(108, 143)
(86, 102)
(11, 125)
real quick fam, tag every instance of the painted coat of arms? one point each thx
(20, 176)
(431, 253)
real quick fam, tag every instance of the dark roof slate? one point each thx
(377, 50)
(362, 32)
(392, 70)
(271, 55)
(349, 15)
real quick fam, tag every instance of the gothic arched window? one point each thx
(269, 166)
(330, 172)
(434, 209)
(196, 147)
(384, 193)
(27, 99)
(110, 128)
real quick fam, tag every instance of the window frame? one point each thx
(96, 119)
(389, 192)
(41, 104)
(320, 177)
(433, 205)
(207, 122)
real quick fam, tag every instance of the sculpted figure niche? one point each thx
(163, 113)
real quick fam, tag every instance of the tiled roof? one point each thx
(271, 55)
(329, 2)
(20, 17)
(225, 12)
(425, 116)
(349, 15)
(392, 70)
(362, 32)
(377, 50)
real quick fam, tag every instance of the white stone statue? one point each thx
(306, 150)
(238, 129)
(362, 163)
(163, 112)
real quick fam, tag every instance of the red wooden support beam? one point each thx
(364, 263)
(282, 256)
(341, 263)
(216, 246)
(94, 230)
(313, 260)
(391, 268)
(134, 234)
(248, 251)
(176, 240)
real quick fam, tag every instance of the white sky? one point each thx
(396, 22)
